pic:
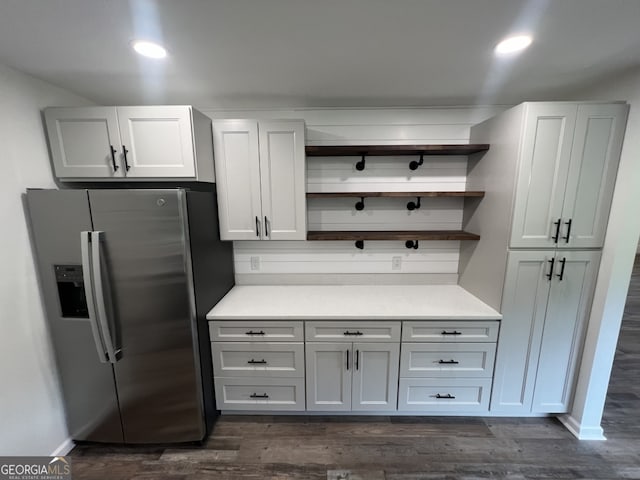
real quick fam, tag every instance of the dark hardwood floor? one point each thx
(400, 448)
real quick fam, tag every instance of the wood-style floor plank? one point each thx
(399, 448)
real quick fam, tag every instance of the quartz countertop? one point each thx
(351, 302)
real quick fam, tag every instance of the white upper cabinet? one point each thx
(138, 143)
(238, 179)
(544, 164)
(156, 141)
(568, 162)
(597, 144)
(85, 142)
(261, 179)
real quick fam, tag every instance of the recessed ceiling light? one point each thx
(149, 49)
(513, 44)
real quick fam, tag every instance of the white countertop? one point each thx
(350, 302)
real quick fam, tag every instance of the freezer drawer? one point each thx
(253, 393)
(451, 360)
(444, 395)
(450, 331)
(352, 331)
(256, 331)
(258, 359)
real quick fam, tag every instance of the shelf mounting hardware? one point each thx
(411, 244)
(413, 205)
(414, 165)
(360, 244)
(360, 164)
(360, 204)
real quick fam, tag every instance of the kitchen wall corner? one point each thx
(31, 411)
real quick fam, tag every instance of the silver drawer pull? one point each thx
(448, 362)
(448, 395)
(255, 395)
(257, 362)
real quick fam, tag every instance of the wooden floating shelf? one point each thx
(393, 194)
(380, 150)
(393, 235)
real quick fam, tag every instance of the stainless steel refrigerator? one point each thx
(127, 277)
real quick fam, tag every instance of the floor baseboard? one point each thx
(64, 448)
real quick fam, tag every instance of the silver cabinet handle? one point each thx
(87, 274)
(101, 308)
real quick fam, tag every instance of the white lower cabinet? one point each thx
(258, 365)
(421, 367)
(355, 376)
(546, 301)
(265, 359)
(444, 394)
(447, 366)
(260, 393)
(458, 360)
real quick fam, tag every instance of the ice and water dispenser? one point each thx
(70, 283)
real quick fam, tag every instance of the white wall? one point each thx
(31, 412)
(341, 262)
(617, 262)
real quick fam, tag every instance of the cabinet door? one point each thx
(375, 376)
(592, 174)
(157, 141)
(82, 140)
(542, 173)
(523, 311)
(283, 179)
(569, 305)
(328, 368)
(235, 144)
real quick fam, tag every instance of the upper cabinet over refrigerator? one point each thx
(130, 143)
(261, 180)
(568, 163)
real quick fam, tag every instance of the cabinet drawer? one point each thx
(253, 393)
(447, 360)
(352, 331)
(255, 331)
(258, 359)
(450, 331)
(444, 394)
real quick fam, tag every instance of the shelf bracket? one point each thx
(360, 164)
(413, 205)
(360, 204)
(360, 244)
(414, 165)
(411, 244)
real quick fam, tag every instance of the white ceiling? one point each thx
(259, 53)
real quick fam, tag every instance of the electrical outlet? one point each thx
(396, 263)
(255, 263)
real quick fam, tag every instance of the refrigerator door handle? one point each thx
(87, 275)
(101, 307)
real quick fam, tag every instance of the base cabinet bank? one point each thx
(337, 364)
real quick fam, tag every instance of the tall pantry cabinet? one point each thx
(559, 163)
